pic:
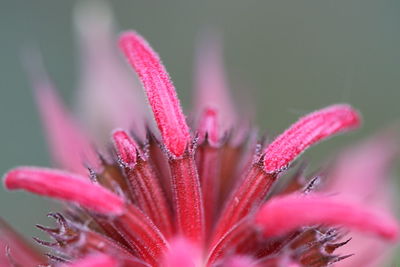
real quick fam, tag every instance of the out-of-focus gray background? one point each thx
(292, 56)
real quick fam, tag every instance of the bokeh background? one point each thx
(288, 57)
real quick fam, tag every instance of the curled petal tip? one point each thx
(282, 215)
(307, 131)
(126, 147)
(64, 186)
(160, 91)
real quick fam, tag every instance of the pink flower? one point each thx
(197, 195)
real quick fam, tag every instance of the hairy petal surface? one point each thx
(282, 215)
(64, 186)
(307, 131)
(160, 91)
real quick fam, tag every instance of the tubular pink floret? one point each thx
(209, 126)
(282, 215)
(95, 260)
(64, 186)
(307, 131)
(126, 147)
(160, 91)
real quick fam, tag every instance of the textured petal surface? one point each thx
(307, 131)
(282, 215)
(160, 92)
(64, 186)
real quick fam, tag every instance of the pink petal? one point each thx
(144, 182)
(64, 186)
(211, 84)
(126, 147)
(94, 260)
(69, 147)
(362, 172)
(141, 233)
(181, 253)
(188, 198)
(109, 96)
(174, 131)
(160, 92)
(307, 131)
(282, 215)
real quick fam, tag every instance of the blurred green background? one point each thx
(292, 56)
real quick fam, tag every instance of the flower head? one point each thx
(199, 195)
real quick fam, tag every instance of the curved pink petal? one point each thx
(64, 186)
(362, 172)
(160, 92)
(109, 96)
(281, 215)
(307, 131)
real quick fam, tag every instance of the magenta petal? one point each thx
(307, 131)
(126, 147)
(64, 186)
(363, 172)
(281, 215)
(160, 91)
